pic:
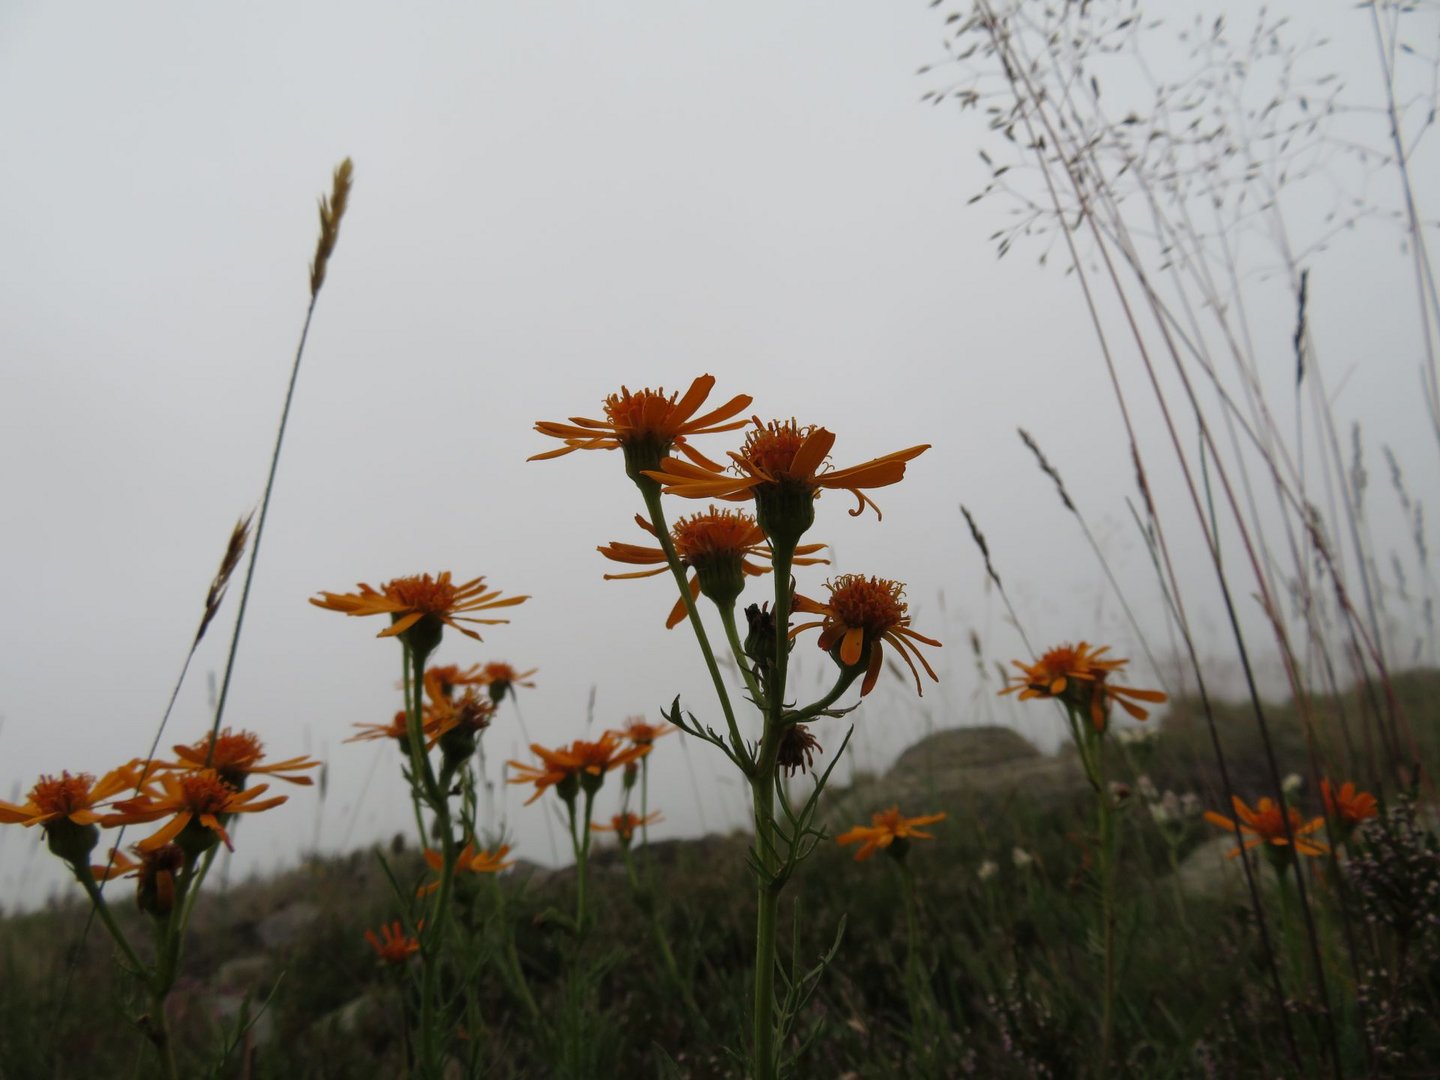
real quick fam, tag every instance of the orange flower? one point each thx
(408, 600)
(1266, 826)
(624, 825)
(471, 715)
(862, 613)
(154, 873)
(398, 729)
(1348, 806)
(471, 860)
(69, 797)
(1079, 677)
(571, 763)
(442, 680)
(502, 679)
(779, 458)
(717, 545)
(639, 733)
(237, 757)
(192, 798)
(393, 945)
(885, 828)
(647, 425)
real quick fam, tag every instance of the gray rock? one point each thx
(285, 927)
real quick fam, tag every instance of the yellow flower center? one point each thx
(422, 593)
(873, 604)
(772, 448)
(62, 795)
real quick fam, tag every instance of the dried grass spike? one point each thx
(332, 209)
(239, 537)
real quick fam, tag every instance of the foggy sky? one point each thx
(550, 201)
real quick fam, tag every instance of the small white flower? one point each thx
(1021, 858)
(1190, 805)
(987, 869)
(1147, 787)
(1293, 784)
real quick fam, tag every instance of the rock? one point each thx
(243, 973)
(284, 928)
(961, 764)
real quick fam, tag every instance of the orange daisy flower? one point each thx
(442, 680)
(502, 679)
(647, 425)
(237, 757)
(718, 545)
(624, 825)
(408, 600)
(398, 729)
(579, 759)
(782, 457)
(200, 797)
(471, 714)
(1348, 806)
(1266, 826)
(1079, 675)
(69, 797)
(392, 945)
(885, 828)
(640, 733)
(471, 860)
(862, 613)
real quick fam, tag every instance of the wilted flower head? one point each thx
(798, 748)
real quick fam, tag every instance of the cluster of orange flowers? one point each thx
(195, 795)
(1285, 829)
(1079, 677)
(443, 712)
(782, 468)
(584, 763)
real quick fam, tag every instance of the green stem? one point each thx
(515, 974)
(86, 877)
(844, 682)
(650, 490)
(737, 650)
(1105, 816)
(762, 787)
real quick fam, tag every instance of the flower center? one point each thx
(62, 795)
(772, 448)
(716, 533)
(636, 416)
(205, 792)
(232, 751)
(873, 604)
(422, 593)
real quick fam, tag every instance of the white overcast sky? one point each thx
(550, 200)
